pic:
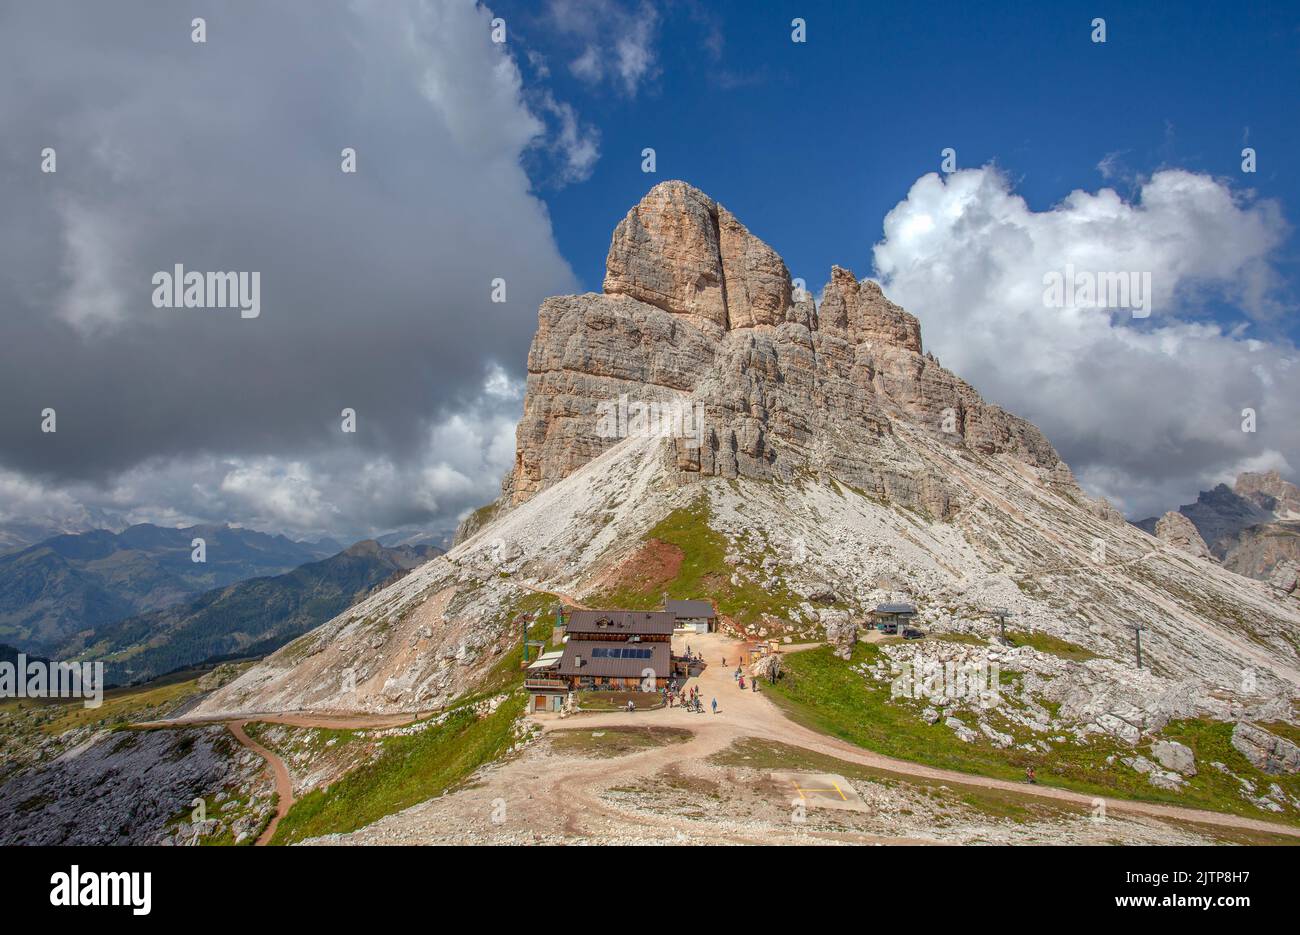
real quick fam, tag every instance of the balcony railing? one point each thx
(546, 684)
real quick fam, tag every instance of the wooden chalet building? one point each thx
(617, 650)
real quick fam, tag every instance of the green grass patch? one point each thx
(409, 770)
(1046, 643)
(704, 573)
(121, 706)
(969, 639)
(413, 768)
(617, 701)
(825, 694)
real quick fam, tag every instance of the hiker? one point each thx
(631, 706)
(742, 683)
(724, 662)
(715, 705)
(1030, 775)
(753, 685)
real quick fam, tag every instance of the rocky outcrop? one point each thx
(1177, 530)
(1266, 751)
(766, 667)
(841, 633)
(1218, 514)
(1269, 552)
(1105, 511)
(1253, 528)
(1269, 492)
(700, 337)
(1286, 577)
(128, 787)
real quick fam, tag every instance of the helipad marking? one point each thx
(827, 790)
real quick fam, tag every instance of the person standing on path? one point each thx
(715, 705)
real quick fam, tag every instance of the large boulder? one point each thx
(841, 634)
(1266, 751)
(1175, 756)
(766, 667)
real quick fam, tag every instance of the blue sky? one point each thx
(481, 159)
(812, 144)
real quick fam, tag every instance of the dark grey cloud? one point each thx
(375, 287)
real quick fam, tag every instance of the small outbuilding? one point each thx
(693, 615)
(890, 618)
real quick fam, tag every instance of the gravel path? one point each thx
(566, 797)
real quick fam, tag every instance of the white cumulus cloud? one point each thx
(1147, 412)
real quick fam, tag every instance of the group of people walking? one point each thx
(690, 700)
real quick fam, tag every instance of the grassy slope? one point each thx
(411, 769)
(704, 573)
(823, 693)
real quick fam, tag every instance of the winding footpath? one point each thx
(283, 784)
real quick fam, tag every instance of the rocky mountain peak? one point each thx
(700, 338)
(681, 251)
(1269, 491)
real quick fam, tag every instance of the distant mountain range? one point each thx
(249, 618)
(1253, 527)
(60, 592)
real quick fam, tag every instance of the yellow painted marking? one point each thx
(835, 787)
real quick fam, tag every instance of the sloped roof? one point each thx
(621, 622)
(615, 660)
(689, 608)
(895, 609)
(546, 660)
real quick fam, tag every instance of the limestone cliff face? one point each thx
(1269, 492)
(700, 314)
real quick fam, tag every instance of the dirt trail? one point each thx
(283, 785)
(567, 795)
(328, 721)
(749, 714)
